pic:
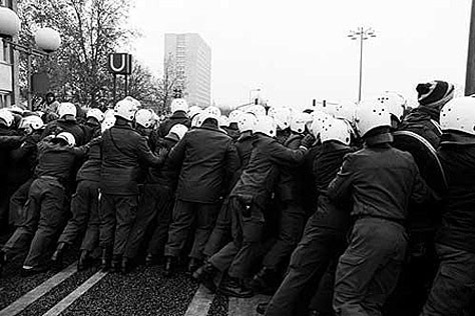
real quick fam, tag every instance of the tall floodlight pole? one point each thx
(470, 74)
(361, 34)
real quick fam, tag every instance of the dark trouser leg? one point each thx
(252, 229)
(17, 202)
(182, 219)
(125, 217)
(108, 221)
(308, 263)
(91, 236)
(80, 206)
(221, 233)
(52, 216)
(146, 212)
(162, 222)
(29, 218)
(454, 284)
(321, 301)
(205, 220)
(368, 270)
(291, 226)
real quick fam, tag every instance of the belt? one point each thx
(401, 222)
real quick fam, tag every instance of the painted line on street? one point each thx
(73, 296)
(246, 306)
(200, 303)
(30, 297)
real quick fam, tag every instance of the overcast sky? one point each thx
(298, 50)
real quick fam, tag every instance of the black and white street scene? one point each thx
(237, 158)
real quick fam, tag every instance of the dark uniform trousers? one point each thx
(454, 283)
(185, 214)
(368, 270)
(221, 233)
(44, 212)
(83, 202)
(247, 228)
(91, 236)
(291, 225)
(17, 202)
(314, 253)
(117, 214)
(155, 208)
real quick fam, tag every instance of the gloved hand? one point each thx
(307, 141)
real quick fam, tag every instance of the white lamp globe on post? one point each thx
(47, 39)
(9, 22)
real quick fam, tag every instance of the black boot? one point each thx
(116, 263)
(194, 264)
(84, 260)
(235, 287)
(106, 259)
(205, 275)
(263, 280)
(262, 307)
(152, 260)
(57, 257)
(125, 266)
(170, 263)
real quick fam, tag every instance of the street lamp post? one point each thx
(361, 34)
(47, 40)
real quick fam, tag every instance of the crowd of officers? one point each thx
(316, 208)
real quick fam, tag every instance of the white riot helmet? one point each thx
(223, 121)
(266, 125)
(109, 113)
(372, 113)
(247, 122)
(7, 117)
(257, 110)
(179, 105)
(345, 110)
(145, 118)
(319, 119)
(234, 116)
(95, 113)
(282, 116)
(194, 110)
(134, 101)
(179, 130)
(126, 109)
(67, 108)
(395, 103)
(459, 115)
(68, 137)
(299, 121)
(108, 122)
(32, 121)
(195, 120)
(336, 129)
(211, 112)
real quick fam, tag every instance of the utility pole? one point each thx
(470, 75)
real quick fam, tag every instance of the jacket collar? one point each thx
(379, 140)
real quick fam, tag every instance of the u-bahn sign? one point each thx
(120, 64)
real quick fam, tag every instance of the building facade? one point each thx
(9, 60)
(192, 58)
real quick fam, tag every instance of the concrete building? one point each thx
(192, 57)
(9, 75)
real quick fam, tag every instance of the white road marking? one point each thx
(21, 303)
(73, 296)
(246, 306)
(200, 303)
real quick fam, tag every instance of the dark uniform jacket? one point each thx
(179, 117)
(259, 177)
(289, 186)
(208, 159)
(423, 121)
(165, 175)
(381, 180)
(326, 165)
(123, 150)
(56, 127)
(458, 217)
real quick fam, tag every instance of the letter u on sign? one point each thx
(120, 64)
